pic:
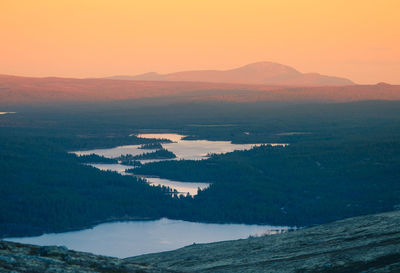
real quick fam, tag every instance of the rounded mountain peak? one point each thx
(269, 68)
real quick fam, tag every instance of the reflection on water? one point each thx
(116, 152)
(183, 149)
(125, 239)
(199, 149)
(172, 137)
(182, 187)
(4, 113)
(111, 167)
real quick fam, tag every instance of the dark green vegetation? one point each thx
(343, 160)
(159, 154)
(294, 185)
(45, 189)
(93, 158)
(133, 160)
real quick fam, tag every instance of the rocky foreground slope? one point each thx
(363, 244)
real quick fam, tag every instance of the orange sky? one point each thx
(358, 39)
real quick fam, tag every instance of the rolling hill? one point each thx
(265, 73)
(16, 90)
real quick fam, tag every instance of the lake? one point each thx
(131, 238)
(199, 149)
(183, 149)
(182, 187)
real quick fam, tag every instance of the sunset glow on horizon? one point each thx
(359, 40)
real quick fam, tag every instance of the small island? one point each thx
(159, 154)
(93, 158)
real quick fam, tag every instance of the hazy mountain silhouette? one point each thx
(266, 73)
(26, 90)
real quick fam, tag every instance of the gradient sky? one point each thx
(358, 39)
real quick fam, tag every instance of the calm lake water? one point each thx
(125, 239)
(182, 187)
(183, 149)
(198, 149)
(116, 152)
(111, 167)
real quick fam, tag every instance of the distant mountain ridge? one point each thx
(16, 90)
(264, 73)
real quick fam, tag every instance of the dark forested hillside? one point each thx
(45, 189)
(296, 185)
(343, 160)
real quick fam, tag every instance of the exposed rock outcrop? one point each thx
(16, 257)
(362, 244)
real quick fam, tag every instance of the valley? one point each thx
(326, 174)
(184, 150)
(199, 136)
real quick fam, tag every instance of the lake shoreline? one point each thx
(130, 238)
(183, 147)
(139, 219)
